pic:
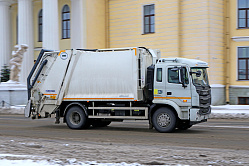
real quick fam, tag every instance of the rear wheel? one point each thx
(76, 118)
(164, 120)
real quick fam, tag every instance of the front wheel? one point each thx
(76, 118)
(164, 120)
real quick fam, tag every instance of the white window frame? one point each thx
(237, 62)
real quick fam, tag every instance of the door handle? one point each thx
(169, 93)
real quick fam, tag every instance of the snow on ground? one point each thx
(18, 152)
(25, 160)
(19, 109)
(224, 111)
(28, 160)
(230, 112)
(231, 109)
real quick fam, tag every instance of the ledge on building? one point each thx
(240, 38)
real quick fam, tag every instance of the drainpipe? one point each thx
(227, 49)
(209, 34)
(107, 23)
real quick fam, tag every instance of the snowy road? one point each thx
(217, 142)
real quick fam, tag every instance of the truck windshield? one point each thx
(200, 76)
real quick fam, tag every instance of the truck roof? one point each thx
(190, 62)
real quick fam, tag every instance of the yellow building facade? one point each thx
(188, 29)
(237, 43)
(208, 30)
(95, 20)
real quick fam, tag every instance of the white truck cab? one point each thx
(183, 84)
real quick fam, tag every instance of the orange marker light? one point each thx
(185, 101)
(61, 52)
(135, 51)
(53, 97)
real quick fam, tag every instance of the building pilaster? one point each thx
(78, 24)
(50, 21)
(5, 32)
(25, 36)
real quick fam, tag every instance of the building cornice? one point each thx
(240, 38)
(238, 86)
(8, 2)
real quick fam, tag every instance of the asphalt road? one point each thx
(219, 134)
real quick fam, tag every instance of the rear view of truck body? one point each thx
(107, 76)
(117, 75)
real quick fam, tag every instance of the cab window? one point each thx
(173, 75)
(159, 75)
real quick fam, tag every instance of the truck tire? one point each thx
(76, 118)
(164, 120)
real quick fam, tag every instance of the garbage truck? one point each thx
(94, 87)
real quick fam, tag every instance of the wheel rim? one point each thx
(163, 120)
(75, 118)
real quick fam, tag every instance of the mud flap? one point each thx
(27, 109)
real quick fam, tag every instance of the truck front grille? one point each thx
(204, 99)
(205, 110)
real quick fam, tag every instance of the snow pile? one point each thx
(26, 160)
(230, 112)
(25, 163)
(50, 163)
(19, 109)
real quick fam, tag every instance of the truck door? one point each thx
(177, 85)
(159, 84)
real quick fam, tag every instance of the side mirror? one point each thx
(198, 73)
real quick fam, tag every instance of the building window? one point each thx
(40, 26)
(243, 13)
(243, 101)
(65, 22)
(149, 19)
(243, 63)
